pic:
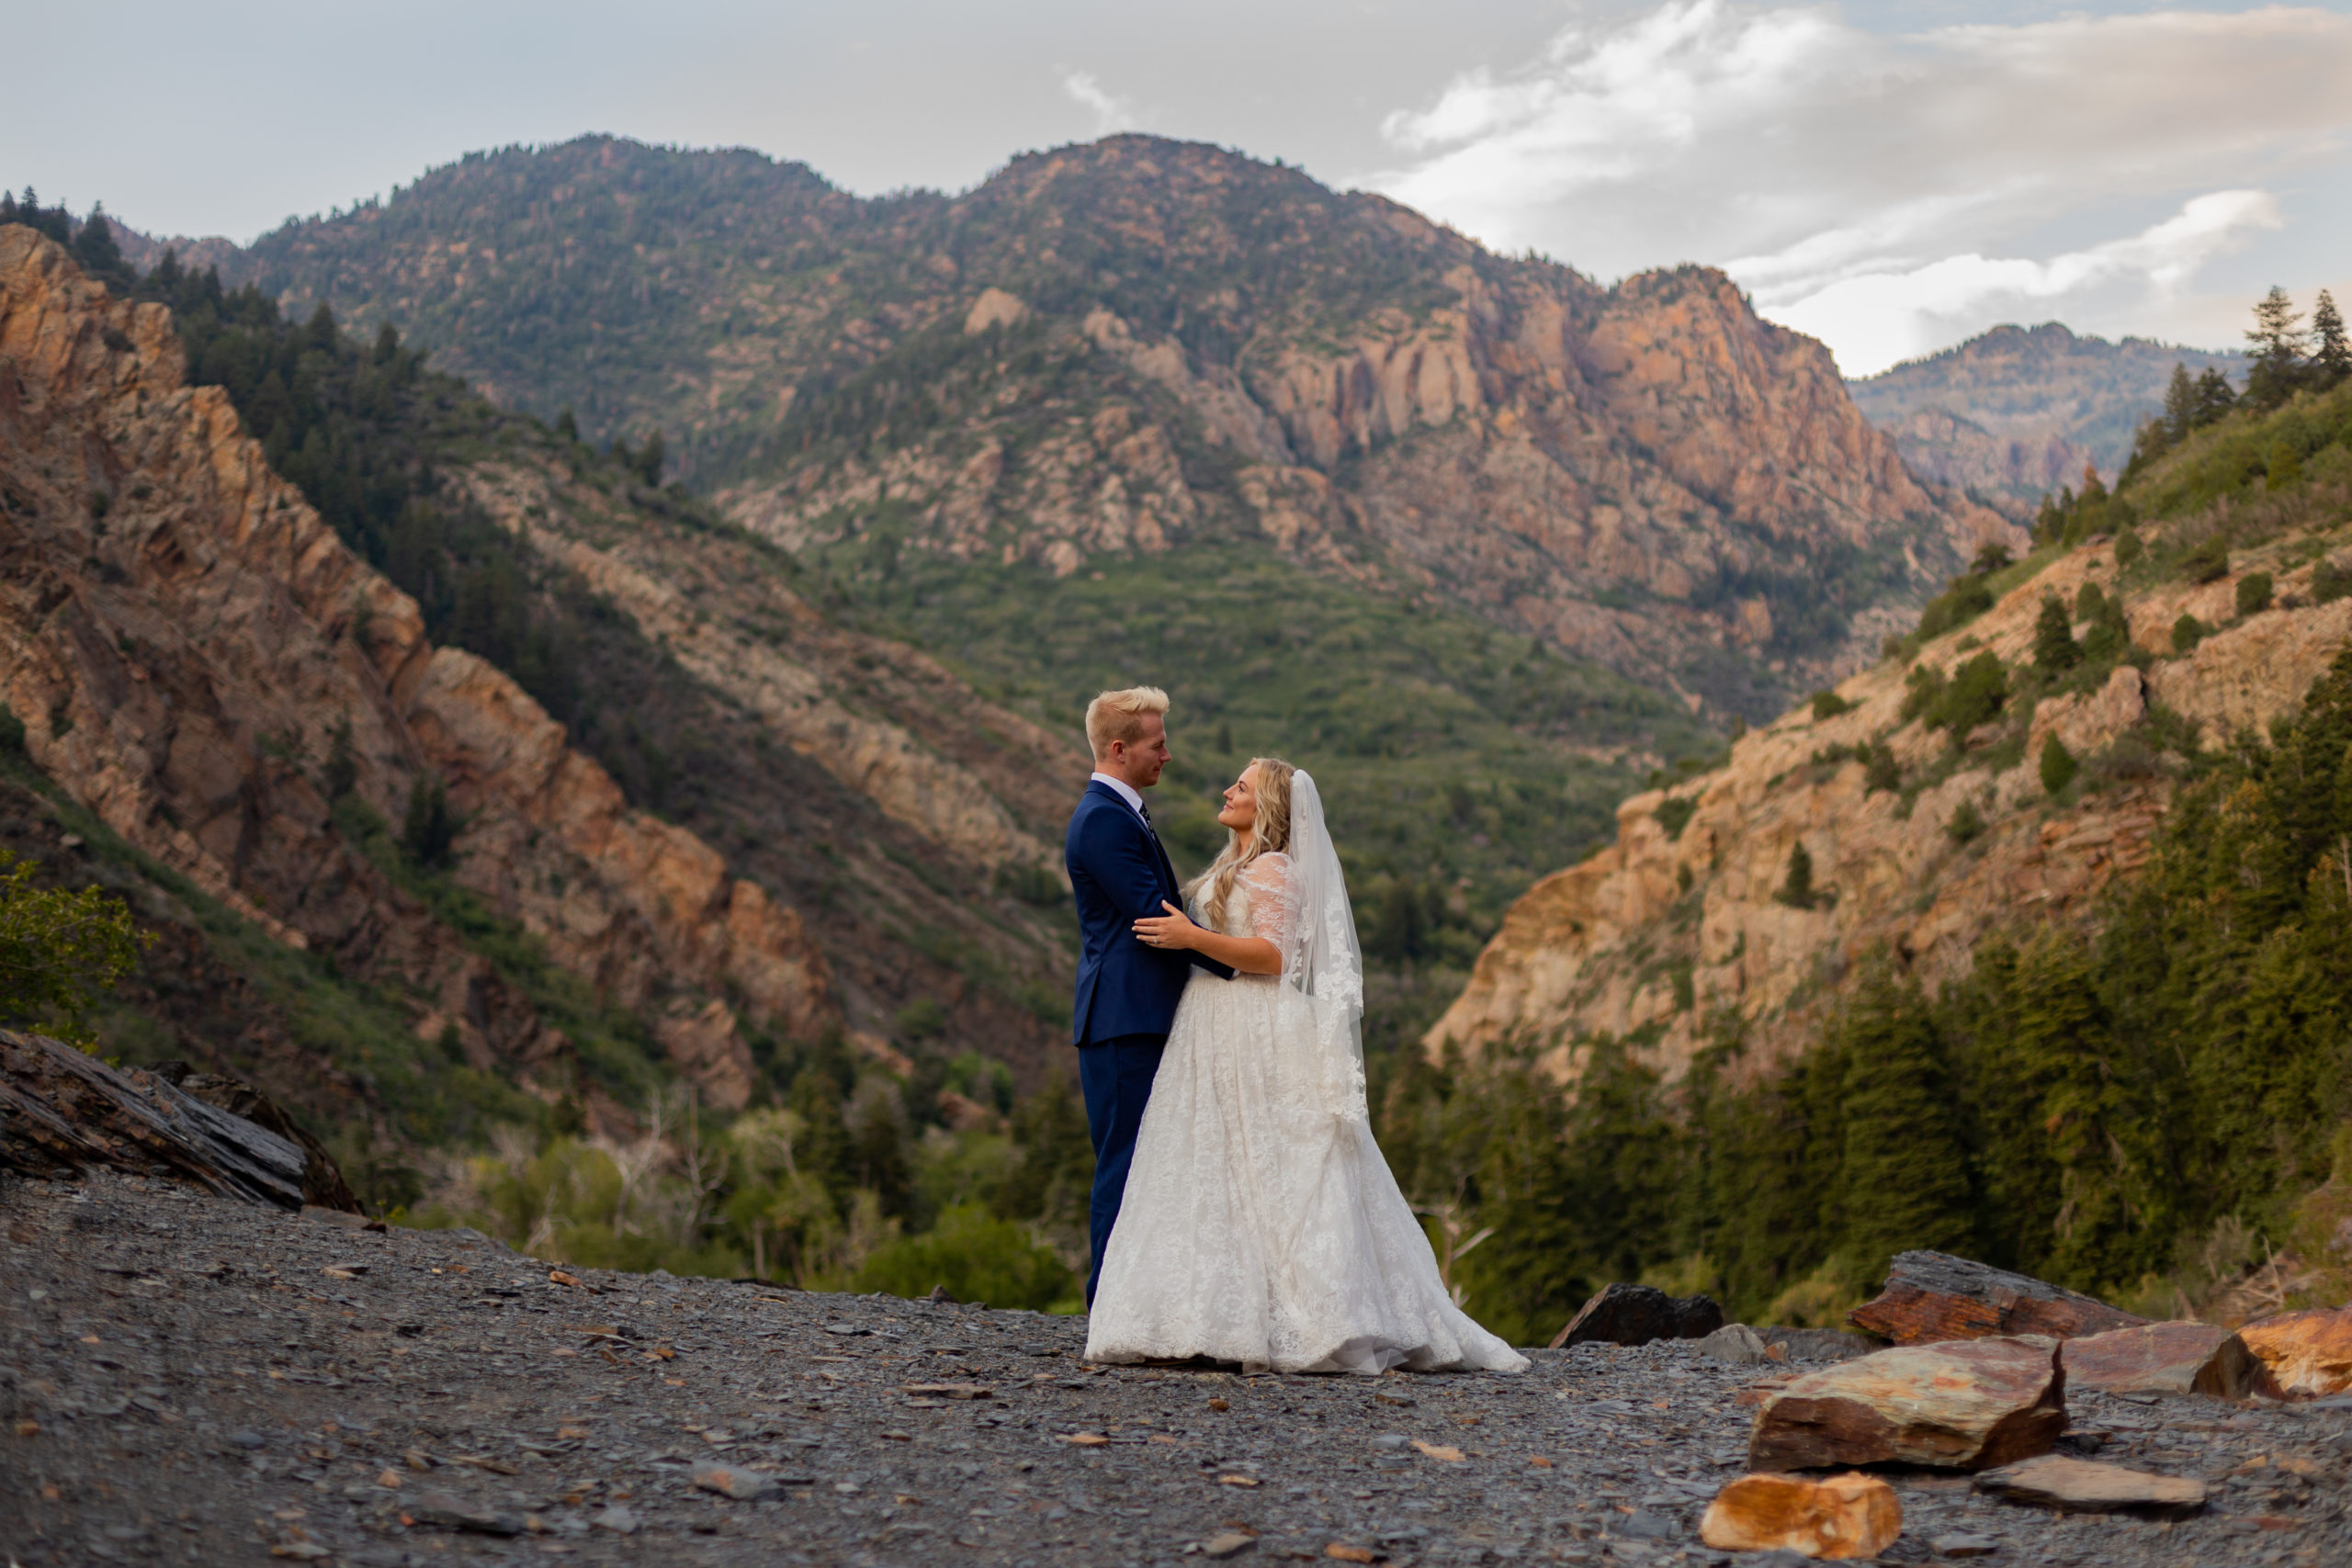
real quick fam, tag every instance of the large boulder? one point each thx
(1932, 1296)
(2164, 1357)
(1636, 1315)
(2304, 1352)
(1847, 1516)
(1967, 1406)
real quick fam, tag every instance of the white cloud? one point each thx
(1111, 113)
(1877, 189)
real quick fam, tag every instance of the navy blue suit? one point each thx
(1126, 992)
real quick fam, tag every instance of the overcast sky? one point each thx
(1892, 175)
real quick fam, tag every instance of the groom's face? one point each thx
(1139, 760)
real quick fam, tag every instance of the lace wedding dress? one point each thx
(1260, 1224)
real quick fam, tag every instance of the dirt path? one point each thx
(186, 1379)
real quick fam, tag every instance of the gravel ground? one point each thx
(185, 1377)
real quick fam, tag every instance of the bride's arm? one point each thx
(1175, 930)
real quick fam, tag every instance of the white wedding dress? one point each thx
(1259, 1222)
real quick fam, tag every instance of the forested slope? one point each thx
(2027, 943)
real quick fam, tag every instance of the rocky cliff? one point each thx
(193, 654)
(1684, 930)
(1125, 348)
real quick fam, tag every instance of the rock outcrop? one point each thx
(182, 638)
(1687, 920)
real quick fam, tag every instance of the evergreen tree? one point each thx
(2054, 649)
(567, 426)
(2181, 404)
(1796, 891)
(2058, 765)
(431, 828)
(2215, 399)
(2332, 359)
(1904, 1175)
(649, 461)
(96, 249)
(2278, 342)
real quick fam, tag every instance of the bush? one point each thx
(2253, 593)
(1829, 705)
(1965, 823)
(1879, 770)
(2330, 582)
(978, 1257)
(2128, 548)
(2208, 562)
(12, 733)
(58, 949)
(2186, 633)
(1979, 689)
(2090, 601)
(2058, 765)
(1674, 814)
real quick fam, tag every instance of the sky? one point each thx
(1890, 175)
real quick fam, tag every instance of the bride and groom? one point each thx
(1241, 1211)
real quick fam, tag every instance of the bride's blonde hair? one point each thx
(1269, 835)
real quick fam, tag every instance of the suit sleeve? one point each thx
(1118, 856)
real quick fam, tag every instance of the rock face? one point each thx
(1131, 345)
(1681, 922)
(1636, 1315)
(1931, 1296)
(1847, 1516)
(62, 1112)
(2304, 1352)
(1967, 1406)
(2164, 1357)
(2080, 1487)
(181, 633)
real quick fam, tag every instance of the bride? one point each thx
(1260, 1224)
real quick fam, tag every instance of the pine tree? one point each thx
(96, 249)
(2332, 360)
(2277, 341)
(2215, 399)
(567, 424)
(2058, 765)
(649, 461)
(2054, 649)
(2181, 404)
(1796, 892)
(1905, 1176)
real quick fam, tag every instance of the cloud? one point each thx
(1882, 190)
(1111, 113)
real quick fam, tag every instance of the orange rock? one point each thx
(2164, 1357)
(1847, 1516)
(1933, 1295)
(1970, 1405)
(2305, 1352)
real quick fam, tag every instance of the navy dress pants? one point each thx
(1115, 1077)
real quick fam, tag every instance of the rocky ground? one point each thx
(189, 1378)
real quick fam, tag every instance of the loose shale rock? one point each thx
(2164, 1357)
(1965, 1407)
(2305, 1352)
(2080, 1487)
(1932, 1296)
(1636, 1315)
(1847, 1516)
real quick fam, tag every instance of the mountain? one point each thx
(2015, 412)
(2025, 942)
(756, 833)
(1123, 351)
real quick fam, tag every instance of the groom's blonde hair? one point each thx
(1119, 716)
(1269, 836)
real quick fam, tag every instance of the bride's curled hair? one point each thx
(1270, 836)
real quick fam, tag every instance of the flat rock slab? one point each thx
(2305, 1352)
(734, 1481)
(2081, 1486)
(2164, 1357)
(1636, 1314)
(1847, 1516)
(1933, 1296)
(1970, 1406)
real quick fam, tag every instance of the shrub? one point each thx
(2208, 562)
(978, 1257)
(1829, 705)
(58, 949)
(2282, 465)
(2128, 548)
(1674, 814)
(12, 732)
(1979, 689)
(2058, 765)
(1923, 691)
(2186, 633)
(1879, 770)
(1965, 823)
(2090, 601)
(2253, 593)
(2330, 582)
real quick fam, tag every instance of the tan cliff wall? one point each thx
(182, 650)
(1680, 938)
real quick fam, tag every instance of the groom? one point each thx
(1126, 992)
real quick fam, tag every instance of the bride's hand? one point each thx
(1173, 930)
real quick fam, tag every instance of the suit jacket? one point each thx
(1118, 875)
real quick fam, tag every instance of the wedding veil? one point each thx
(1323, 962)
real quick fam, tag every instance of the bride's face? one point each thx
(1241, 812)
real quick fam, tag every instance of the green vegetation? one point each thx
(60, 949)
